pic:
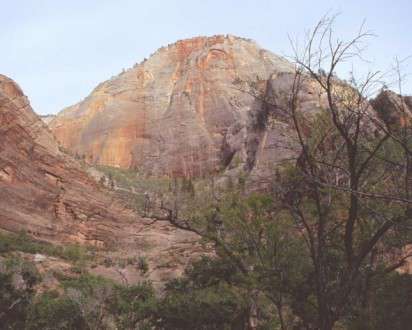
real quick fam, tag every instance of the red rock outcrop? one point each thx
(177, 113)
(393, 109)
(46, 193)
(42, 190)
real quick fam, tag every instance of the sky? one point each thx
(59, 50)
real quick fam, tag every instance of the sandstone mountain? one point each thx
(46, 193)
(179, 112)
(188, 111)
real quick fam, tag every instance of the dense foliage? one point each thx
(212, 294)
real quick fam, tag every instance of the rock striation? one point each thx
(47, 194)
(44, 191)
(179, 113)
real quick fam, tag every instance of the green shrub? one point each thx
(86, 283)
(208, 308)
(142, 265)
(5, 245)
(24, 243)
(13, 304)
(26, 269)
(50, 311)
(75, 253)
(133, 306)
(389, 305)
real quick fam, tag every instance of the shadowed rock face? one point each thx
(393, 109)
(44, 191)
(177, 113)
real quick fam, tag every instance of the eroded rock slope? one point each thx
(46, 193)
(177, 113)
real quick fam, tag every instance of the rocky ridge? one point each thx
(47, 194)
(42, 190)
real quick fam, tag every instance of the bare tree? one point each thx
(354, 192)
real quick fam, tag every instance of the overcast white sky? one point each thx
(58, 51)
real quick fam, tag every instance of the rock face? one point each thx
(393, 109)
(274, 139)
(179, 112)
(42, 190)
(46, 193)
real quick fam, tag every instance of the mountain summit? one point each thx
(177, 113)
